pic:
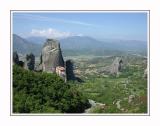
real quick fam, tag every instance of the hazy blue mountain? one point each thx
(37, 40)
(80, 43)
(132, 45)
(83, 42)
(89, 46)
(24, 47)
(74, 42)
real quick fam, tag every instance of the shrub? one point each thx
(44, 93)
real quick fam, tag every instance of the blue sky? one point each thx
(104, 25)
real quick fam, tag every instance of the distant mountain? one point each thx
(82, 43)
(74, 42)
(127, 45)
(85, 42)
(37, 40)
(23, 46)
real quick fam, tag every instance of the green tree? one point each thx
(45, 93)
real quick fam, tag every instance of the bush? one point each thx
(44, 93)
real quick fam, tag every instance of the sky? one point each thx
(102, 25)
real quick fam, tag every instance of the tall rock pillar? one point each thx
(51, 56)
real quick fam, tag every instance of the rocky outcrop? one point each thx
(69, 70)
(15, 58)
(30, 62)
(116, 66)
(51, 56)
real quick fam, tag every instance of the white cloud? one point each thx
(51, 33)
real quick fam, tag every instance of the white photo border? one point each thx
(80, 11)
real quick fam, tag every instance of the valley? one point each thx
(122, 93)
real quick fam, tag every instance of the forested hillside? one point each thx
(44, 93)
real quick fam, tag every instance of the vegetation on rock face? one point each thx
(44, 93)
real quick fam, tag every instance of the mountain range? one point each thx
(34, 44)
(23, 46)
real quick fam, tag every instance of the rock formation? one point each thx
(30, 62)
(69, 70)
(51, 56)
(116, 66)
(15, 58)
(21, 64)
(51, 61)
